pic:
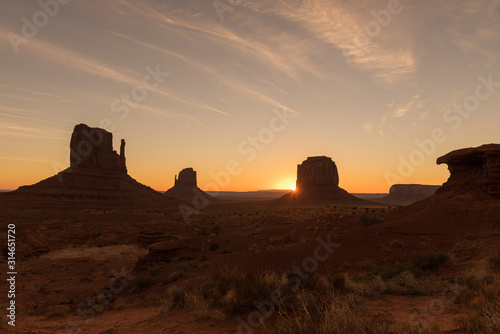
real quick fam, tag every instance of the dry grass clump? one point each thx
(317, 304)
(330, 314)
(235, 292)
(368, 285)
(482, 283)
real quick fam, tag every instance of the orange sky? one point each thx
(382, 87)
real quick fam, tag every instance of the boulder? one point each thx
(473, 170)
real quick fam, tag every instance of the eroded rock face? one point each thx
(473, 170)
(93, 148)
(317, 172)
(187, 176)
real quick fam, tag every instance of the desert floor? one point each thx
(85, 268)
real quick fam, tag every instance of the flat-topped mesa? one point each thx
(93, 148)
(187, 176)
(408, 193)
(473, 170)
(413, 190)
(318, 182)
(317, 172)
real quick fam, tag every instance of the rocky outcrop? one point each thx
(187, 177)
(93, 148)
(96, 173)
(408, 193)
(318, 181)
(473, 170)
(186, 188)
(317, 172)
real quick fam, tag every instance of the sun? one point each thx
(287, 183)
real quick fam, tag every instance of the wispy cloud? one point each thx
(12, 130)
(387, 58)
(401, 109)
(25, 159)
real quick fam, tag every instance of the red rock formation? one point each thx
(187, 176)
(186, 188)
(97, 173)
(318, 181)
(93, 148)
(317, 172)
(408, 193)
(473, 170)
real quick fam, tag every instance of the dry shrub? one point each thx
(404, 283)
(57, 311)
(328, 314)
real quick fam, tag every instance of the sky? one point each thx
(243, 91)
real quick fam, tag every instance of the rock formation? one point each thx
(186, 187)
(187, 177)
(318, 181)
(473, 170)
(93, 148)
(96, 173)
(408, 193)
(317, 172)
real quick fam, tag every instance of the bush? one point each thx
(213, 246)
(142, 283)
(396, 244)
(366, 220)
(368, 285)
(57, 311)
(235, 292)
(495, 261)
(429, 260)
(174, 276)
(176, 297)
(215, 229)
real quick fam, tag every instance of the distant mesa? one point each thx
(186, 187)
(96, 172)
(473, 170)
(318, 181)
(405, 194)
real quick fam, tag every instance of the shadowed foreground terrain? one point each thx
(368, 269)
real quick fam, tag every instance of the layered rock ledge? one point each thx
(474, 169)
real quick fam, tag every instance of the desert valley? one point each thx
(98, 252)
